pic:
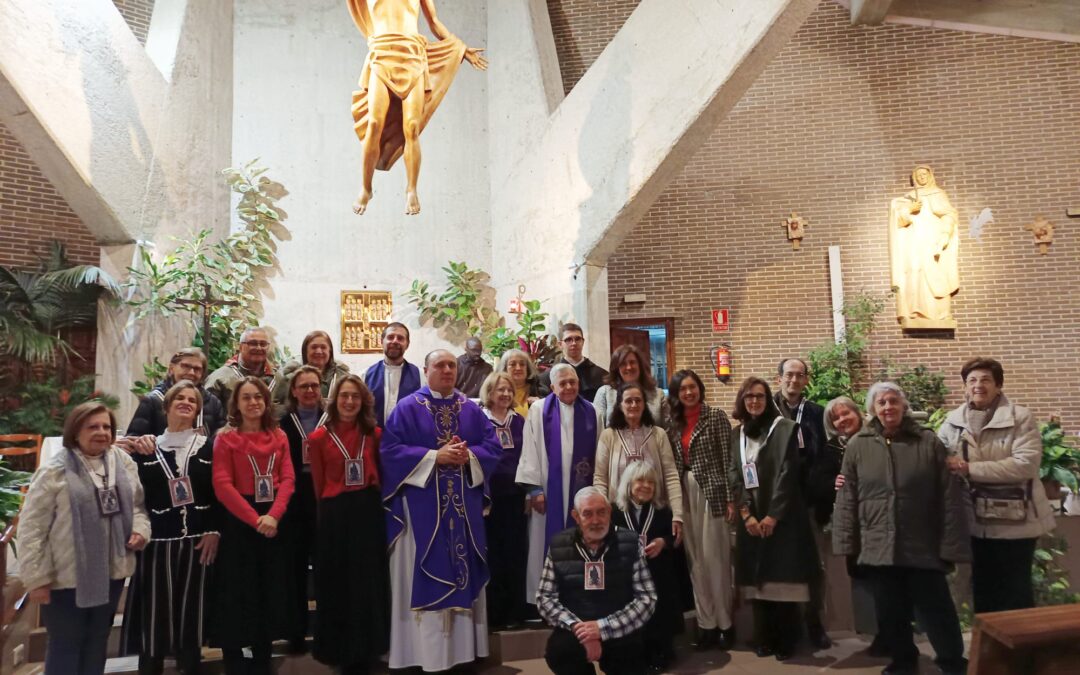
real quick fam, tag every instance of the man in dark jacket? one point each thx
(792, 377)
(590, 376)
(149, 419)
(596, 592)
(472, 369)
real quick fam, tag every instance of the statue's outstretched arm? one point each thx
(358, 9)
(440, 31)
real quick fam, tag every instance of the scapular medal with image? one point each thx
(354, 466)
(594, 576)
(264, 482)
(107, 495)
(749, 469)
(633, 453)
(305, 451)
(750, 477)
(506, 439)
(180, 492)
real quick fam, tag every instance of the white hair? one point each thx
(586, 492)
(558, 369)
(879, 388)
(639, 470)
(253, 329)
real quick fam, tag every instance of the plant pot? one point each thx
(1053, 489)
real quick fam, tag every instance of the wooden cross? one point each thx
(208, 303)
(795, 225)
(1043, 231)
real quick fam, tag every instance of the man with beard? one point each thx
(393, 378)
(792, 377)
(596, 592)
(438, 451)
(252, 360)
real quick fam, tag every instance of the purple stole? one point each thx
(581, 462)
(450, 569)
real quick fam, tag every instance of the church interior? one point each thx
(883, 189)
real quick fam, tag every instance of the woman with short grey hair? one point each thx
(526, 378)
(902, 514)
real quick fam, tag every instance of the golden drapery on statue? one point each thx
(924, 254)
(403, 81)
(404, 61)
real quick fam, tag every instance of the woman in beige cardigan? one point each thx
(996, 446)
(632, 436)
(80, 527)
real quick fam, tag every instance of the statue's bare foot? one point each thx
(412, 203)
(360, 205)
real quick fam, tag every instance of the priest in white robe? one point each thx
(437, 451)
(557, 459)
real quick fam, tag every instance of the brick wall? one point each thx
(32, 212)
(832, 130)
(582, 29)
(137, 14)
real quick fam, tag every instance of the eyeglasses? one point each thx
(754, 397)
(257, 344)
(573, 339)
(307, 387)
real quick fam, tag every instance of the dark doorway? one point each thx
(654, 337)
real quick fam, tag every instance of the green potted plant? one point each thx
(1060, 460)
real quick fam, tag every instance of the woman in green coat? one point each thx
(906, 518)
(775, 555)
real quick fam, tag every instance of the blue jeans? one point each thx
(78, 636)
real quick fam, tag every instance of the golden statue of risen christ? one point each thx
(403, 81)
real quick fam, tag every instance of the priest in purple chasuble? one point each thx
(557, 457)
(437, 450)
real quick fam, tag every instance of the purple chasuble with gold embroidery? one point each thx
(446, 514)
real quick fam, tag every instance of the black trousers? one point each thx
(622, 656)
(507, 529)
(1001, 574)
(776, 625)
(899, 592)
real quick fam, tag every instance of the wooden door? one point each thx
(635, 336)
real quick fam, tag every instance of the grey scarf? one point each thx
(94, 556)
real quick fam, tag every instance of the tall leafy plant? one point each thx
(1060, 457)
(36, 306)
(40, 407)
(837, 368)
(11, 496)
(235, 268)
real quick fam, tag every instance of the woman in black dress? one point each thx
(166, 602)
(643, 511)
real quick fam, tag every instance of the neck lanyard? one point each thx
(798, 417)
(300, 427)
(181, 469)
(269, 467)
(636, 453)
(510, 412)
(93, 476)
(341, 446)
(585, 553)
(742, 438)
(648, 519)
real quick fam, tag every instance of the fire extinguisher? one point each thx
(721, 360)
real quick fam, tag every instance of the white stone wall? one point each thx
(296, 66)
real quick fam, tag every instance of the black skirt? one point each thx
(352, 580)
(165, 610)
(255, 584)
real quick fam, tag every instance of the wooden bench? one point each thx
(1042, 641)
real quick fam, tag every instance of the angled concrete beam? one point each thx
(869, 12)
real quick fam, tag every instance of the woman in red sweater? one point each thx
(352, 578)
(253, 480)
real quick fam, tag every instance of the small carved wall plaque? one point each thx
(795, 225)
(364, 316)
(1043, 231)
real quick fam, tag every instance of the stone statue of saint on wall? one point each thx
(923, 247)
(403, 81)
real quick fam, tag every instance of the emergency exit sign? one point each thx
(720, 321)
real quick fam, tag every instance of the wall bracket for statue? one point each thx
(924, 254)
(402, 83)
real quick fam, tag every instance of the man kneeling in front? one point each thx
(596, 592)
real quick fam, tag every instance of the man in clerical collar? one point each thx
(437, 444)
(393, 378)
(590, 376)
(596, 592)
(557, 459)
(793, 375)
(472, 368)
(251, 360)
